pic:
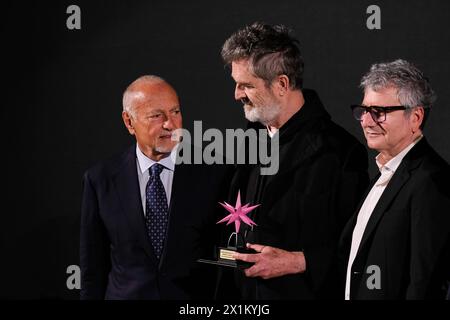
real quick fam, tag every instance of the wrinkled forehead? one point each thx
(242, 72)
(381, 96)
(240, 68)
(156, 97)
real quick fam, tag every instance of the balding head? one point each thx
(142, 90)
(151, 112)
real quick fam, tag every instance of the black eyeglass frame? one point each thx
(376, 112)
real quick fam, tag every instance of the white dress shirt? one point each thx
(387, 171)
(272, 132)
(143, 165)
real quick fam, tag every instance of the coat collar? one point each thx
(311, 110)
(300, 131)
(410, 162)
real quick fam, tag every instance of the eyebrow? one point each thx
(243, 83)
(161, 110)
(238, 82)
(154, 111)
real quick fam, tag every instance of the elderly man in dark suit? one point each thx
(397, 244)
(322, 172)
(145, 219)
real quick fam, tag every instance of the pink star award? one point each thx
(237, 214)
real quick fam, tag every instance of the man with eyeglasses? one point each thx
(397, 244)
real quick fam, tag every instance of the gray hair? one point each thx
(271, 51)
(132, 94)
(413, 87)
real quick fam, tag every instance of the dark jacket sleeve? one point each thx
(348, 183)
(94, 245)
(430, 229)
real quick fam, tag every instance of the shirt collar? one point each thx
(271, 133)
(145, 162)
(394, 163)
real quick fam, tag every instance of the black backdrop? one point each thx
(62, 95)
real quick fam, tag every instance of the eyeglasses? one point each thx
(378, 113)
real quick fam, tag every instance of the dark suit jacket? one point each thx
(117, 258)
(407, 235)
(321, 177)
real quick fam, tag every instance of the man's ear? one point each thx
(282, 84)
(416, 118)
(127, 120)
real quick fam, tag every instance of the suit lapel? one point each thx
(398, 180)
(127, 186)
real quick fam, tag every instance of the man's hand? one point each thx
(270, 262)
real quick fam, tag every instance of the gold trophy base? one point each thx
(225, 258)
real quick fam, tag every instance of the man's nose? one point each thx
(168, 123)
(367, 120)
(239, 93)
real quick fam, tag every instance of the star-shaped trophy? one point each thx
(237, 214)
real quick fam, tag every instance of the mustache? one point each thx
(246, 101)
(174, 135)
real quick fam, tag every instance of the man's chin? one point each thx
(252, 119)
(372, 144)
(166, 148)
(254, 115)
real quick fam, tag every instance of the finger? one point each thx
(247, 257)
(256, 247)
(252, 272)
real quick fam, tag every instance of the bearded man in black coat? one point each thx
(321, 175)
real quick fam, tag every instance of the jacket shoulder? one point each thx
(433, 170)
(109, 166)
(434, 162)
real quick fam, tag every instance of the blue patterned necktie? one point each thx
(156, 209)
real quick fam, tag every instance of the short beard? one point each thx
(165, 149)
(264, 114)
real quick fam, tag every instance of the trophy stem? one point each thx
(235, 240)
